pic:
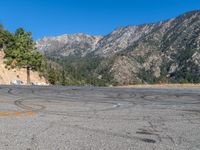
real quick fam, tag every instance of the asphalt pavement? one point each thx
(91, 118)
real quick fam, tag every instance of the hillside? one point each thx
(161, 52)
(169, 53)
(8, 75)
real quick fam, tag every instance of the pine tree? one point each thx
(22, 51)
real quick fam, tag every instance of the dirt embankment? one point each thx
(7, 75)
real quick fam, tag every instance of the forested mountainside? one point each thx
(166, 51)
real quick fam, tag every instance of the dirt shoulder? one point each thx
(164, 86)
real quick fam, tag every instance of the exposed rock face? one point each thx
(65, 45)
(121, 38)
(163, 51)
(125, 70)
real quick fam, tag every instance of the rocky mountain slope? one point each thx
(171, 51)
(167, 51)
(65, 45)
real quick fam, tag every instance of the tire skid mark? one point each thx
(113, 134)
(20, 103)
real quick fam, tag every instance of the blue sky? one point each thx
(96, 17)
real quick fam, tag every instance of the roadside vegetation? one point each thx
(20, 52)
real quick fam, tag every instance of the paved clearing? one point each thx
(88, 118)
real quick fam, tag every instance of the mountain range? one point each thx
(166, 51)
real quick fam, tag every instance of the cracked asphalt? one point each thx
(91, 118)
